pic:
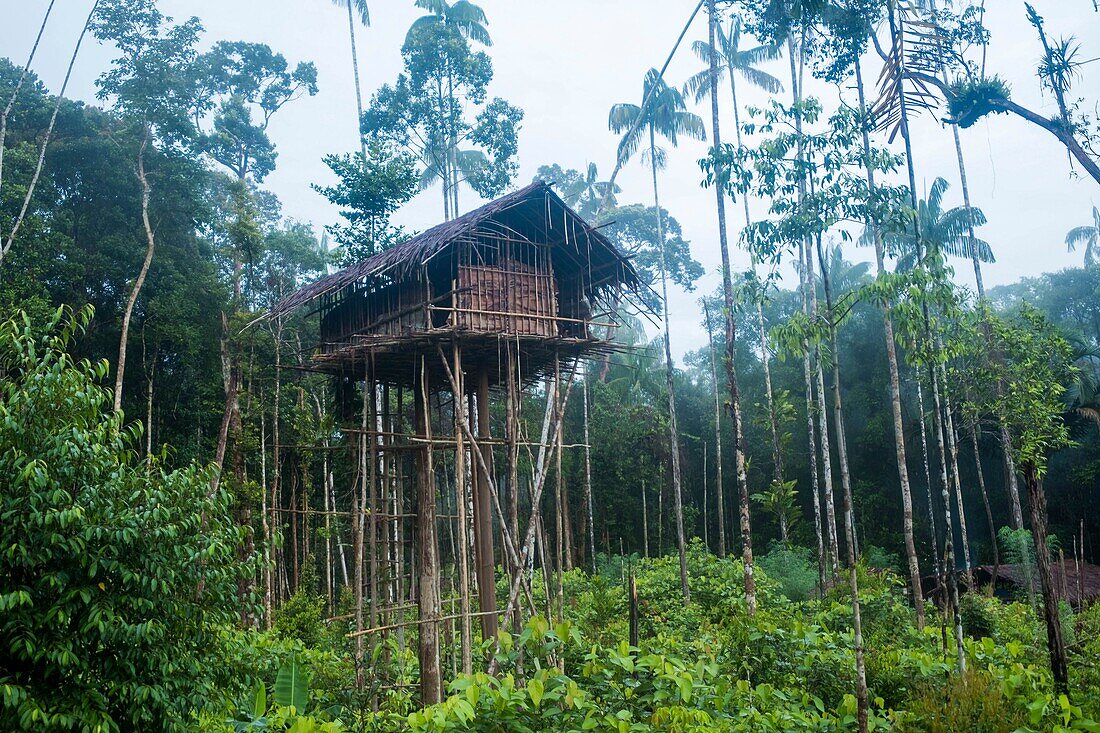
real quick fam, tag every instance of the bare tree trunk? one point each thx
(428, 598)
(985, 502)
(849, 511)
(139, 282)
(1011, 485)
(463, 545)
(948, 530)
(357, 510)
(731, 337)
(1055, 644)
(358, 90)
(23, 74)
(587, 483)
(720, 489)
(810, 286)
(483, 518)
(895, 387)
(7, 245)
(674, 437)
(953, 453)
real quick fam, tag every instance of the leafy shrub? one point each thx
(978, 615)
(793, 570)
(973, 702)
(119, 577)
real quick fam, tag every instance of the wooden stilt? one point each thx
(463, 544)
(428, 596)
(483, 517)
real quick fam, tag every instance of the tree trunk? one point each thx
(674, 439)
(948, 526)
(720, 497)
(428, 597)
(587, 484)
(895, 388)
(23, 74)
(1055, 644)
(483, 518)
(463, 545)
(358, 91)
(731, 338)
(139, 282)
(7, 244)
(849, 511)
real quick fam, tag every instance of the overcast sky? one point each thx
(566, 62)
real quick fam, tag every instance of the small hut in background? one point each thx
(1076, 582)
(513, 293)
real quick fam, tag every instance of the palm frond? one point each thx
(702, 51)
(697, 87)
(360, 8)
(761, 79)
(760, 54)
(1081, 235)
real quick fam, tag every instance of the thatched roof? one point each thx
(534, 206)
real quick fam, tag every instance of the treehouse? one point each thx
(515, 291)
(523, 268)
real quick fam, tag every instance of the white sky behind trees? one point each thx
(566, 62)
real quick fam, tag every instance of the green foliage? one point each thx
(792, 569)
(117, 574)
(973, 701)
(971, 99)
(368, 193)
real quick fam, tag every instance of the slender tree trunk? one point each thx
(139, 282)
(928, 480)
(1055, 644)
(895, 386)
(1011, 484)
(953, 452)
(823, 419)
(862, 702)
(358, 90)
(731, 338)
(985, 502)
(7, 244)
(674, 439)
(948, 528)
(23, 74)
(810, 307)
(463, 544)
(720, 497)
(588, 483)
(431, 690)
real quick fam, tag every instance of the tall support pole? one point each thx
(427, 555)
(460, 505)
(483, 516)
(357, 539)
(513, 473)
(372, 477)
(588, 482)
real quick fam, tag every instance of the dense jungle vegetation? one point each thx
(791, 529)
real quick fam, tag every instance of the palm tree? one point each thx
(945, 232)
(1089, 236)
(451, 165)
(667, 115)
(731, 62)
(464, 16)
(586, 193)
(356, 8)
